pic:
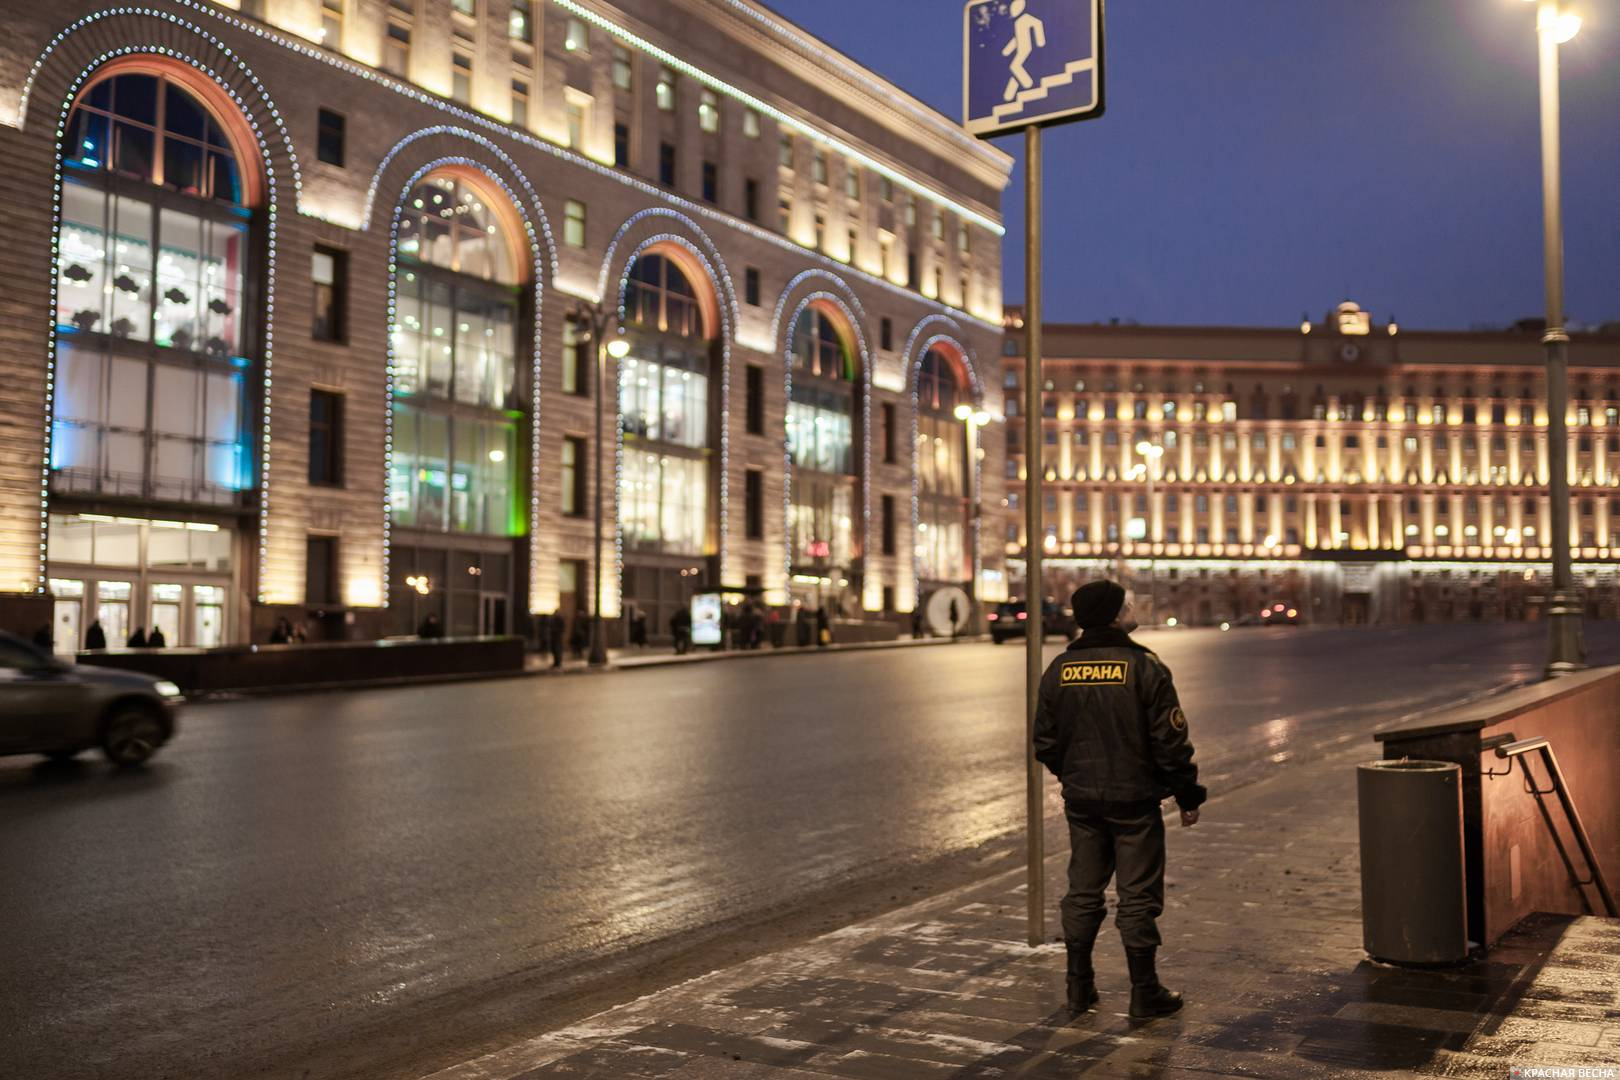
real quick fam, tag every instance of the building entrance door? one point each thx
(67, 616)
(491, 614)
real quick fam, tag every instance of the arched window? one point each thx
(659, 298)
(821, 433)
(154, 334)
(446, 223)
(665, 401)
(456, 352)
(942, 472)
(937, 386)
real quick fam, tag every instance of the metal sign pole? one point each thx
(1034, 595)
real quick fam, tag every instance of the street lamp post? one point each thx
(597, 318)
(1565, 650)
(1151, 453)
(973, 419)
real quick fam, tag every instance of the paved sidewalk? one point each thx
(1262, 931)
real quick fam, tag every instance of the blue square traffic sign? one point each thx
(1030, 62)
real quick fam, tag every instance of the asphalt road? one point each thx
(322, 885)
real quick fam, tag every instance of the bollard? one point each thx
(1413, 906)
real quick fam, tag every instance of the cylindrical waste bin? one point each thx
(1413, 906)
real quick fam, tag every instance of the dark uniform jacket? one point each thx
(1110, 727)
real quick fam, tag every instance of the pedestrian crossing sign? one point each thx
(1030, 62)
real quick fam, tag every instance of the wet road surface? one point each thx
(296, 877)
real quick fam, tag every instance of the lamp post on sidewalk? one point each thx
(972, 420)
(1565, 650)
(1151, 453)
(594, 316)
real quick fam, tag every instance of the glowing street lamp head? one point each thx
(618, 348)
(964, 412)
(981, 418)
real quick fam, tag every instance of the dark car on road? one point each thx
(1011, 619)
(60, 710)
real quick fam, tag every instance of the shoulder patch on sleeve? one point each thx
(1178, 719)
(1094, 672)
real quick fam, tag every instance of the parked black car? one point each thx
(1011, 619)
(60, 710)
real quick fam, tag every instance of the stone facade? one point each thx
(778, 175)
(1347, 470)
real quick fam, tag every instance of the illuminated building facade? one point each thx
(293, 318)
(1350, 470)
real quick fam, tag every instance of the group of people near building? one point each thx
(95, 637)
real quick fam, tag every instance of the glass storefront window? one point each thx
(664, 402)
(150, 294)
(664, 502)
(941, 456)
(112, 608)
(942, 541)
(941, 551)
(819, 437)
(822, 523)
(454, 474)
(207, 616)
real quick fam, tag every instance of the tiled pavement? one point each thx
(1262, 932)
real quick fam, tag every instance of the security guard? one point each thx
(1109, 726)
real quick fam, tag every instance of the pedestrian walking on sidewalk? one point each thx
(1110, 727)
(558, 627)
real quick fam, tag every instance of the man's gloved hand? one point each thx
(1189, 817)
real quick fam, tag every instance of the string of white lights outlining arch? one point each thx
(819, 275)
(487, 145)
(527, 139)
(268, 353)
(535, 358)
(837, 302)
(174, 20)
(716, 271)
(913, 377)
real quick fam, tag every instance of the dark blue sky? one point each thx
(1264, 158)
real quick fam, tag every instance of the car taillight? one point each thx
(1022, 615)
(992, 616)
(1293, 613)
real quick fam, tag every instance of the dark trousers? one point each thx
(1123, 843)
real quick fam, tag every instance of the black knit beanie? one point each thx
(1097, 603)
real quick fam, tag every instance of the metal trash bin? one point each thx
(1414, 909)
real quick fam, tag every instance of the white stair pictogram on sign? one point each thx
(1046, 85)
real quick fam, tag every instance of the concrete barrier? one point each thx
(273, 667)
(1512, 863)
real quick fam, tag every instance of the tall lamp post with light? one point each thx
(1151, 453)
(594, 316)
(973, 419)
(1565, 650)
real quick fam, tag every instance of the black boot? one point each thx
(1149, 1000)
(1082, 980)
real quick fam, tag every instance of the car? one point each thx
(1011, 619)
(1278, 614)
(61, 710)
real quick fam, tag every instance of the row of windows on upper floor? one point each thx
(1288, 441)
(1083, 502)
(1439, 413)
(578, 114)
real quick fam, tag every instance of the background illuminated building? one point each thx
(289, 317)
(1352, 469)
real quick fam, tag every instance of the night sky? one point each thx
(1260, 159)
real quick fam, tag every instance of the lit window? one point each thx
(964, 242)
(461, 78)
(852, 183)
(709, 112)
(465, 7)
(520, 103)
(520, 23)
(622, 69)
(784, 151)
(578, 112)
(666, 90)
(577, 38)
(397, 50)
(574, 224)
(332, 23)
(751, 123)
(818, 166)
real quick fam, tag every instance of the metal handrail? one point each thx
(1510, 750)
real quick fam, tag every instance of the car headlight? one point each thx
(167, 689)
